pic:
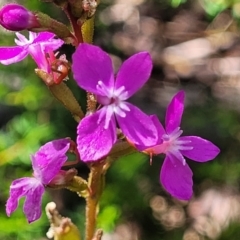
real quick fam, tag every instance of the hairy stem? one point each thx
(66, 97)
(96, 183)
(75, 27)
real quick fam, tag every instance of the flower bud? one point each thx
(15, 17)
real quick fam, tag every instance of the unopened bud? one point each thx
(15, 17)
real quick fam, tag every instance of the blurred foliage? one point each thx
(30, 117)
(176, 3)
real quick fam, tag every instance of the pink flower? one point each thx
(175, 175)
(38, 46)
(15, 17)
(92, 69)
(46, 163)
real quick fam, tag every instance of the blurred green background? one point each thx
(195, 46)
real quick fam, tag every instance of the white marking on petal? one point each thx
(185, 147)
(104, 90)
(165, 137)
(119, 91)
(119, 112)
(22, 39)
(19, 43)
(173, 145)
(177, 154)
(124, 106)
(182, 144)
(32, 36)
(184, 141)
(124, 95)
(109, 113)
(176, 133)
(101, 115)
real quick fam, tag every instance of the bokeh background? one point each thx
(195, 46)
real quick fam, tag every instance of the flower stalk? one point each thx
(75, 27)
(96, 184)
(49, 24)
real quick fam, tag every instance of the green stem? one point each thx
(91, 212)
(96, 183)
(47, 23)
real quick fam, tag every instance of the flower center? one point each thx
(113, 100)
(113, 95)
(173, 145)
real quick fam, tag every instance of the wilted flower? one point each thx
(15, 17)
(46, 163)
(176, 176)
(93, 71)
(38, 46)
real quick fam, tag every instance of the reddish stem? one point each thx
(76, 28)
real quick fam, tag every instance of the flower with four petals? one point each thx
(38, 46)
(46, 164)
(175, 175)
(93, 71)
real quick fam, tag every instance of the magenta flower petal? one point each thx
(134, 72)
(41, 44)
(52, 45)
(31, 188)
(159, 127)
(47, 162)
(9, 55)
(92, 69)
(202, 149)
(38, 46)
(47, 41)
(94, 141)
(160, 131)
(174, 112)
(49, 159)
(43, 37)
(91, 65)
(138, 127)
(32, 206)
(176, 178)
(17, 190)
(37, 54)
